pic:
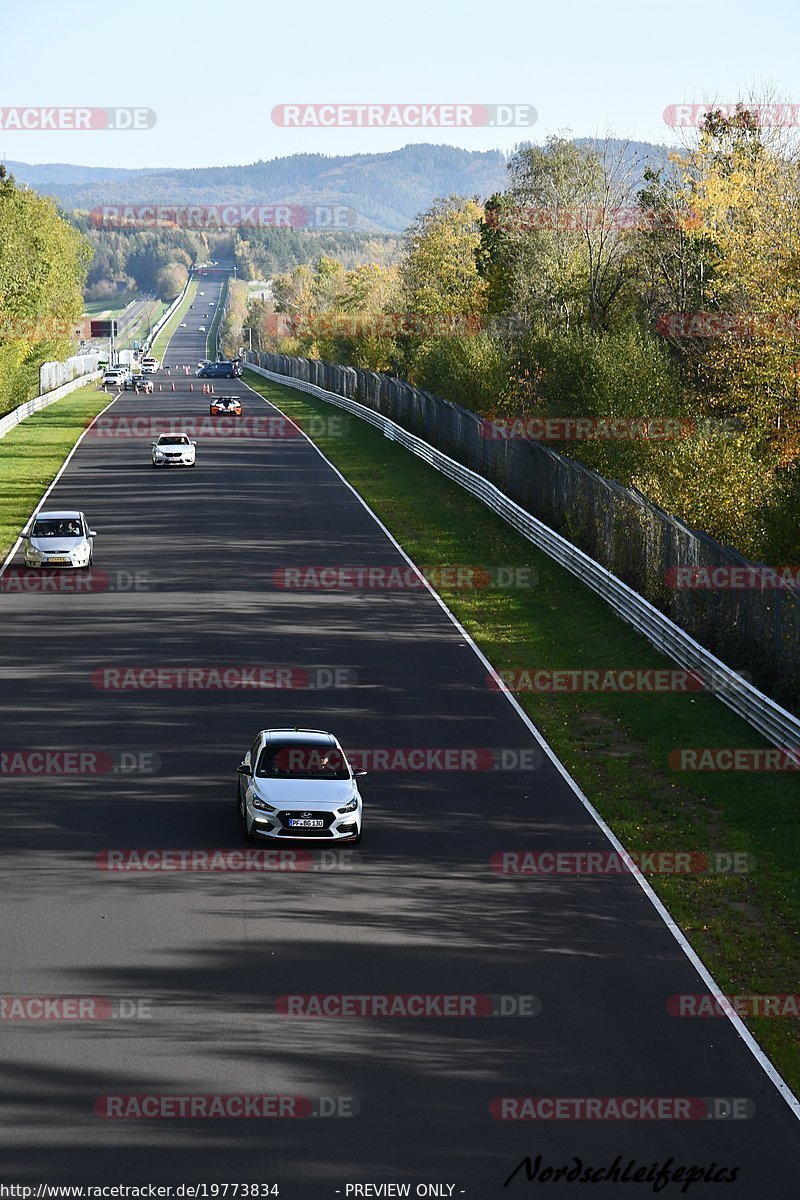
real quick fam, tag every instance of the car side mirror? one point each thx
(193, 443)
(360, 773)
(244, 769)
(92, 533)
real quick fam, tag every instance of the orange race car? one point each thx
(231, 406)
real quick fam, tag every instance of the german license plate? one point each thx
(58, 560)
(300, 823)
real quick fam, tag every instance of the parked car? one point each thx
(115, 376)
(220, 370)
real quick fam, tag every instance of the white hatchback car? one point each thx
(173, 450)
(59, 539)
(297, 783)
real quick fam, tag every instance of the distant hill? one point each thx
(386, 190)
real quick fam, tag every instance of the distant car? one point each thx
(202, 328)
(150, 365)
(143, 384)
(219, 370)
(297, 783)
(173, 450)
(138, 381)
(231, 405)
(115, 376)
(59, 539)
(183, 324)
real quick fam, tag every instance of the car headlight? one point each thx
(262, 804)
(351, 807)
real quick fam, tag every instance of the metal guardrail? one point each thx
(12, 419)
(777, 725)
(165, 316)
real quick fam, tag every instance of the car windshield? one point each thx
(296, 761)
(177, 439)
(64, 527)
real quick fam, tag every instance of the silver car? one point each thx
(59, 539)
(297, 783)
(173, 450)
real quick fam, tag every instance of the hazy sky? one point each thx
(213, 72)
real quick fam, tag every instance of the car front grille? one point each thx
(286, 830)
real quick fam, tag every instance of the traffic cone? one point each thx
(173, 385)
(191, 387)
(159, 387)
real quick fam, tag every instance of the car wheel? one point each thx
(91, 560)
(248, 837)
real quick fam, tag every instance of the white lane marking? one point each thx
(741, 1029)
(61, 471)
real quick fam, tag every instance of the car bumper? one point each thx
(269, 827)
(58, 562)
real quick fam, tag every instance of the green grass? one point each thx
(33, 452)
(160, 344)
(616, 746)
(138, 332)
(211, 337)
(101, 308)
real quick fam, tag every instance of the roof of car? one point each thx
(61, 515)
(306, 736)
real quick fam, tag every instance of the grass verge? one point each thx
(616, 746)
(162, 340)
(211, 336)
(32, 453)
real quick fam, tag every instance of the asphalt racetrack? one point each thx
(186, 968)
